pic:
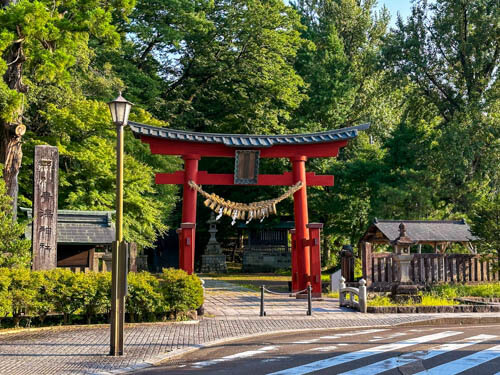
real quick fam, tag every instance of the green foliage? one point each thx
(143, 298)
(459, 290)
(486, 224)
(66, 293)
(181, 292)
(446, 52)
(5, 300)
(23, 291)
(14, 251)
(38, 293)
(44, 296)
(94, 292)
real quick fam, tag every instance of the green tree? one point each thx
(14, 251)
(486, 223)
(39, 42)
(340, 71)
(449, 52)
(227, 65)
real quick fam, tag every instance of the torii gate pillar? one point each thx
(187, 235)
(301, 220)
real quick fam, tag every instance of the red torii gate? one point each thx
(192, 146)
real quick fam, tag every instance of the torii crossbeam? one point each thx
(192, 146)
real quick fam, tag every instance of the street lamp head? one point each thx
(120, 109)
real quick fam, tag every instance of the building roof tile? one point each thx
(245, 140)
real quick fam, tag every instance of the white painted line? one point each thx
(348, 357)
(305, 341)
(464, 363)
(347, 334)
(241, 355)
(342, 344)
(390, 363)
(324, 348)
(397, 334)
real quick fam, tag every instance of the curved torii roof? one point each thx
(245, 140)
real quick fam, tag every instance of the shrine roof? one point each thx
(80, 227)
(422, 231)
(245, 140)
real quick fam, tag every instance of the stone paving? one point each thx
(83, 350)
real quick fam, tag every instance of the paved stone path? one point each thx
(83, 350)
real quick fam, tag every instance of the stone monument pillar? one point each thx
(45, 191)
(213, 261)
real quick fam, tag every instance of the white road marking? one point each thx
(390, 363)
(324, 348)
(348, 357)
(342, 344)
(397, 334)
(274, 359)
(365, 332)
(464, 363)
(241, 355)
(305, 341)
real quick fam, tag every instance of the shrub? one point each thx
(66, 293)
(44, 302)
(23, 289)
(5, 300)
(144, 296)
(181, 292)
(94, 290)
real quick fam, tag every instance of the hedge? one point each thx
(37, 294)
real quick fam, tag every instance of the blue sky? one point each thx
(395, 6)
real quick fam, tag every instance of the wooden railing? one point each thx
(434, 268)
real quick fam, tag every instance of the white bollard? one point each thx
(362, 296)
(341, 291)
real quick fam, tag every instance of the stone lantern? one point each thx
(213, 260)
(404, 289)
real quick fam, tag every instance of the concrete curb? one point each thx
(158, 359)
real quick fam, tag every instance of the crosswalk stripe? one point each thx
(247, 354)
(390, 363)
(356, 333)
(348, 357)
(394, 335)
(464, 363)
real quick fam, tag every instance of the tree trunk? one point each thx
(12, 131)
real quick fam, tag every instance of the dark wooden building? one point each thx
(83, 238)
(265, 246)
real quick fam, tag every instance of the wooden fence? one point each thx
(433, 268)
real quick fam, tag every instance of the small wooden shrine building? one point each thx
(438, 266)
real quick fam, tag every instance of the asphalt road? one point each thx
(433, 350)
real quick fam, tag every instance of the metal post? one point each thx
(118, 264)
(309, 299)
(262, 312)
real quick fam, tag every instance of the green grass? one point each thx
(427, 300)
(491, 290)
(333, 295)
